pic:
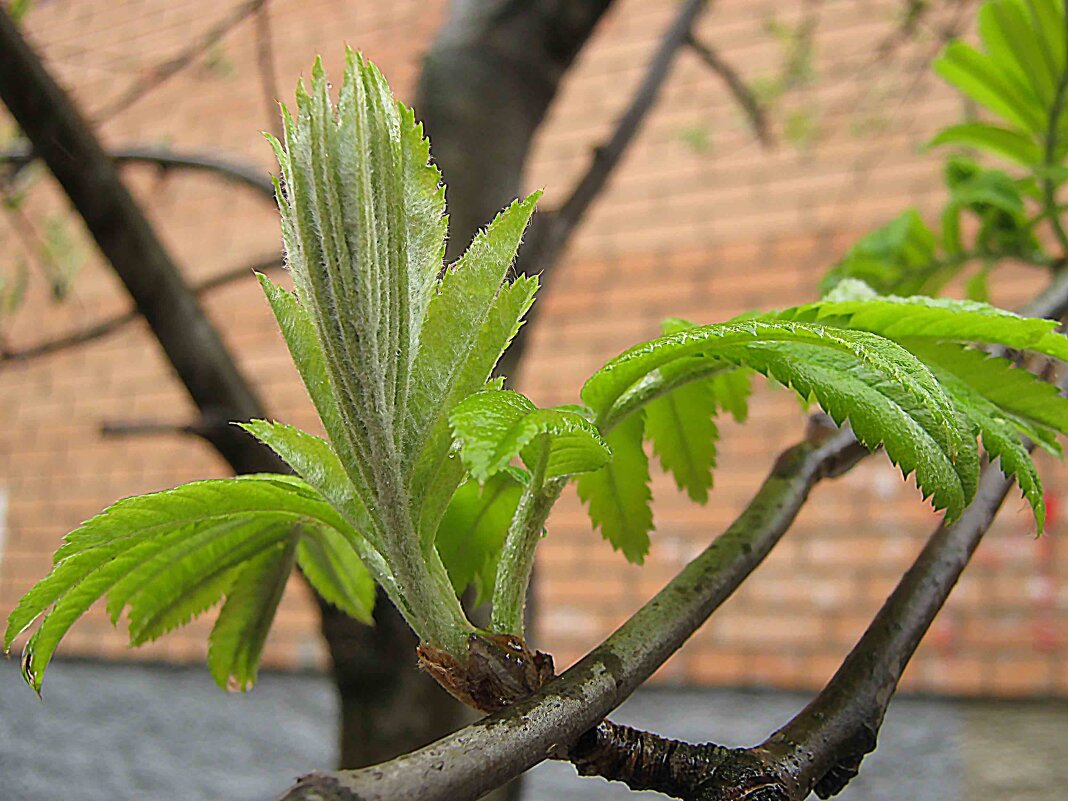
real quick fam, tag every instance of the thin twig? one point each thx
(226, 167)
(488, 753)
(168, 69)
(119, 321)
(549, 239)
(265, 63)
(755, 113)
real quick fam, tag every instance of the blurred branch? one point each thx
(166, 159)
(168, 69)
(552, 232)
(128, 428)
(119, 321)
(755, 114)
(265, 64)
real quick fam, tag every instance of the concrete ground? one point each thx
(135, 732)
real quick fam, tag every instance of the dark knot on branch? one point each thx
(499, 670)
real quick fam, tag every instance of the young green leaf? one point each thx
(684, 435)
(472, 531)
(237, 639)
(332, 567)
(436, 475)
(898, 257)
(1033, 407)
(1005, 142)
(889, 369)
(1019, 73)
(936, 319)
(164, 555)
(495, 426)
(456, 316)
(315, 461)
(618, 496)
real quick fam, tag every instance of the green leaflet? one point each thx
(1009, 144)
(1001, 439)
(496, 425)
(985, 81)
(609, 383)
(456, 316)
(730, 391)
(166, 556)
(684, 435)
(299, 333)
(473, 529)
(315, 461)
(937, 319)
(332, 567)
(880, 413)
(898, 257)
(680, 422)
(236, 641)
(1019, 70)
(618, 496)
(888, 368)
(436, 476)
(1035, 408)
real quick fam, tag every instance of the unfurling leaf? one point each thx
(497, 425)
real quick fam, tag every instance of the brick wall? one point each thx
(698, 221)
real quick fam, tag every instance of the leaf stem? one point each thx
(517, 555)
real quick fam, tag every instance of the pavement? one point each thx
(108, 732)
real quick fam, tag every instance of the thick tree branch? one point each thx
(166, 159)
(492, 751)
(63, 140)
(743, 95)
(119, 321)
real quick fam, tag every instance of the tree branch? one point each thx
(64, 141)
(500, 747)
(166, 159)
(754, 112)
(120, 321)
(550, 235)
(168, 69)
(265, 64)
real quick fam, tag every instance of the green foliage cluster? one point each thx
(434, 476)
(1019, 79)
